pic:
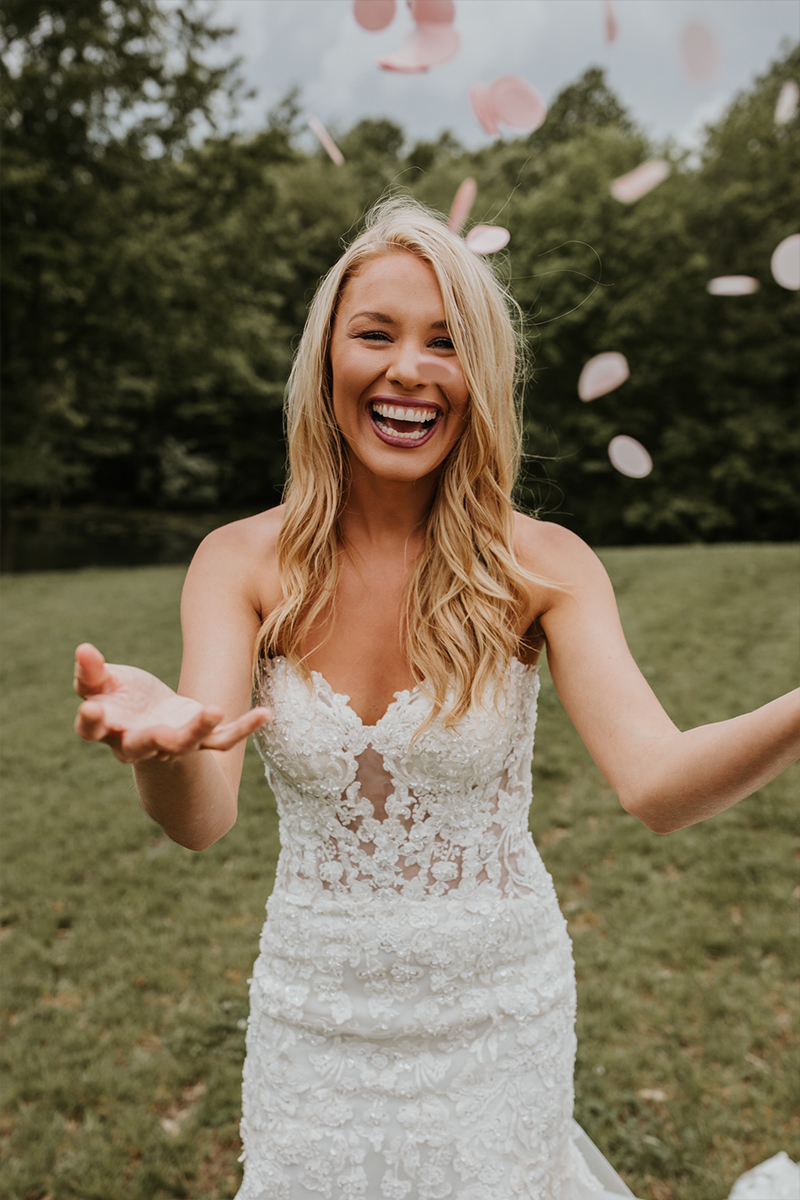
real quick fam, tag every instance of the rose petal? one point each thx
(785, 263)
(462, 204)
(629, 457)
(482, 103)
(428, 46)
(786, 106)
(610, 21)
(433, 12)
(374, 14)
(487, 239)
(602, 374)
(641, 180)
(517, 103)
(399, 62)
(325, 139)
(732, 285)
(437, 370)
(699, 51)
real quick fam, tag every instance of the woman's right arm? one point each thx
(187, 748)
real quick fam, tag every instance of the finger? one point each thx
(226, 736)
(91, 672)
(170, 741)
(90, 723)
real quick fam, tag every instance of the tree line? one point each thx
(157, 267)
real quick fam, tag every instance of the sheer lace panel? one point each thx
(363, 809)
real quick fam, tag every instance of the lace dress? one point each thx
(411, 1033)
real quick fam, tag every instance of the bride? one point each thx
(411, 1034)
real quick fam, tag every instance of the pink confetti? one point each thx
(732, 285)
(602, 374)
(438, 370)
(462, 205)
(629, 457)
(482, 103)
(325, 139)
(517, 103)
(700, 52)
(433, 12)
(374, 14)
(487, 239)
(786, 106)
(428, 46)
(402, 63)
(785, 263)
(610, 21)
(638, 182)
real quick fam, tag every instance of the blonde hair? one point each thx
(467, 591)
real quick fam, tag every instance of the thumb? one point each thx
(90, 669)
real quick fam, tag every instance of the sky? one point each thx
(317, 45)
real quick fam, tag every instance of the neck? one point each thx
(385, 512)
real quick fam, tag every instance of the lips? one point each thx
(389, 414)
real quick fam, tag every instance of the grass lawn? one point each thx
(126, 957)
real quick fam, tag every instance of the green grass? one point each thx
(126, 957)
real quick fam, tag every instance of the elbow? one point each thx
(197, 840)
(656, 816)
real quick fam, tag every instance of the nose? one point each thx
(406, 368)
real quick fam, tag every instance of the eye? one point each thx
(443, 343)
(373, 335)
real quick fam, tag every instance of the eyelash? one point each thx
(375, 334)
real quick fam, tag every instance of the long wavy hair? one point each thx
(467, 592)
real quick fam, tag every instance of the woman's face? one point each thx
(399, 395)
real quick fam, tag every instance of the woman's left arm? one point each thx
(667, 778)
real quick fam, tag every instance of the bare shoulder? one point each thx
(556, 554)
(257, 535)
(243, 556)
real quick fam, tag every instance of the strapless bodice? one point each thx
(368, 808)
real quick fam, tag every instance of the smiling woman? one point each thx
(411, 1034)
(382, 364)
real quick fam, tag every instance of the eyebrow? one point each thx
(385, 319)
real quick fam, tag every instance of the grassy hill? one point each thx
(126, 957)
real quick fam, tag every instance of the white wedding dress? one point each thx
(411, 1034)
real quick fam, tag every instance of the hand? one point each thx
(141, 718)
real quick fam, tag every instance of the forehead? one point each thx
(397, 274)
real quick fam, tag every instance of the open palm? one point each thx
(140, 718)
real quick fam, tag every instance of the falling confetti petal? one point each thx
(482, 102)
(325, 139)
(700, 52)
(374, 14)
(487, 239)
(732, 285)
(433, 12)
(785, 263)
(629, 457)
(462, 204)
(436, 370)
(517, 103)
(428, 46)
(402, 64)
(787, 102)
(637, 183)
(602, 374)
(611, 21)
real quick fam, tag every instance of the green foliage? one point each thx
(126, 957)
(100, 98)
(157, 272)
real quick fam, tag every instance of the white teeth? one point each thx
(404, 414)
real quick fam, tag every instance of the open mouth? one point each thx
(403, 425)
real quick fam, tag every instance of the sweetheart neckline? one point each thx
(410, 692)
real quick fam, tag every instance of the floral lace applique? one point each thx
(412, 1007)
